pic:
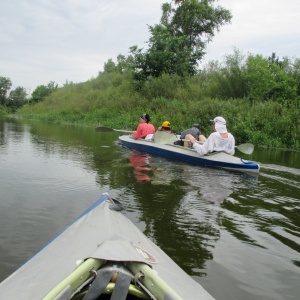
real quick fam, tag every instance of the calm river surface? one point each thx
(238, 236)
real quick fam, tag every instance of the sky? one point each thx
(70, 40)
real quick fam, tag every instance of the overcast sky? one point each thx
(70, 40)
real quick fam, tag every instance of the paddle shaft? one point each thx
(107, 129)
(121, 130)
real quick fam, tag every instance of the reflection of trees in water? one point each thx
(193, 228)
(251, 209)
(263, 210)
(13, 127)
(3, 139)
(184, 238)
(93, 150)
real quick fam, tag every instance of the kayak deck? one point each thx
(100, 243)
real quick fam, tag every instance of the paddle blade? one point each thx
(163, 138)
(103, 129)
(246, 148)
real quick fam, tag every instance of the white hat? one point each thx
(220, 124)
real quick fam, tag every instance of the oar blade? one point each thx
(246, 148)
(163, 138)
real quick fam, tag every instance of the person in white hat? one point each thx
(219, 140)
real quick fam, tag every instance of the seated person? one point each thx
(195, 132)
(144, 128)
(166, 127)
(219, 140)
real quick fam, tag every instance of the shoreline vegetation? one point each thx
(260, 108)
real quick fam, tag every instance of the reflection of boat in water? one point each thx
(217, 159)
(141, 164)
(113, 257)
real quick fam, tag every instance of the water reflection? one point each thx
(140, 163)
(278, 157)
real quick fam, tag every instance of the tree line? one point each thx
(14, 99)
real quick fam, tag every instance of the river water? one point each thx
(235, 234)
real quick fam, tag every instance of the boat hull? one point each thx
(216, 160)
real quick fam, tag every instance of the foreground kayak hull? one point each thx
(101, 236)
(220, 160)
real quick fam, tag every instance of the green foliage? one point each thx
(254, 77)
(3, 111)
(17, 98)
(110, 66)
(42, 91)
(11, 99)
(5, 85)
(227, 80)
(197, 20)
(166, 86)
(294, 72)
(267, 80)
(166, 54)
(177, 44)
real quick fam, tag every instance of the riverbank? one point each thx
(113, 100)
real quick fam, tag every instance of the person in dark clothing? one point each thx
(195, 132)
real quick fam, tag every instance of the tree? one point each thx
(110, 66)
(17, 98)
(177, 44)
(166, 54)
(43, 91)
(197, 20)
(5, 85)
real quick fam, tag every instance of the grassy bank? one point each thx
(114, 100)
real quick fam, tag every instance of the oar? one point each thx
(107, 129)
(163, 138)
(246, 148)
